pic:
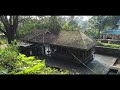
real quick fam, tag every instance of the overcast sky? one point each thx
(86, 17)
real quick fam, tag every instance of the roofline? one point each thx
(62, 46)
(74, 47)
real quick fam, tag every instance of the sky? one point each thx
(86, 18)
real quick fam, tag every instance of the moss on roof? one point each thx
(67, 38)
(75, 39)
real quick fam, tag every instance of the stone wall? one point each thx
(107, 51)
(110, 41)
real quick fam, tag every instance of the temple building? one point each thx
(64, 45)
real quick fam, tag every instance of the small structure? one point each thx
(113, 34)
(65, 45)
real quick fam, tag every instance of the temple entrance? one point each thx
(47, 50)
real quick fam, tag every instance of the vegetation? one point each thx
(71, 24)
(97, 23)
(28, 23)
(13, 62)
(108, 45)
(101, 23)
(1, 42)
(17, 26)
(54, 25)
(9, 27)
(92, 33)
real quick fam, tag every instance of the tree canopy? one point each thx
(102, 23)
(10, 26)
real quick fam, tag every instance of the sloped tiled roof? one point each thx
(33, 34)
(67, 38)
(75, 39)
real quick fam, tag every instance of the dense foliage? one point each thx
(101, 23)
(52, 23)
(91, 32)
(13, 62)
(1, 42)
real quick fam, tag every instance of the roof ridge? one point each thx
(82, 39)
(39, 35)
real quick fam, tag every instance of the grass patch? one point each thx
(99, 43)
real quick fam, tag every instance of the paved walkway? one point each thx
(100, 64)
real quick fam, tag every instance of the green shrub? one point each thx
(33, 66)
(108, 45)
(13, 62)
(2, 42)
(7, 58)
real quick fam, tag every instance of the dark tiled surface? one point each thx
(100, 65)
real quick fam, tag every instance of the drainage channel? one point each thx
(115, 68)
(112, 71)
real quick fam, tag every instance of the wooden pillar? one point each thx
(61, 49)
(83, 54)
(30, 52)
(43, 50)
(77, 53)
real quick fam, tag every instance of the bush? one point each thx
(2, 42)
(7, 58)
(13, 62)
(108, 45)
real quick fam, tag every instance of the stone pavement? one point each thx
(100, 64)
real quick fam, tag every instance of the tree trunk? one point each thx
(9, 40)
(99, 34)
(10, 25)
(10, 34)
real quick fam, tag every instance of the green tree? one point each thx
(70, 23)
(111, 21)
(102, 23)
(54, 24)
(98, 23)
(38, 22)
(10, 26)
